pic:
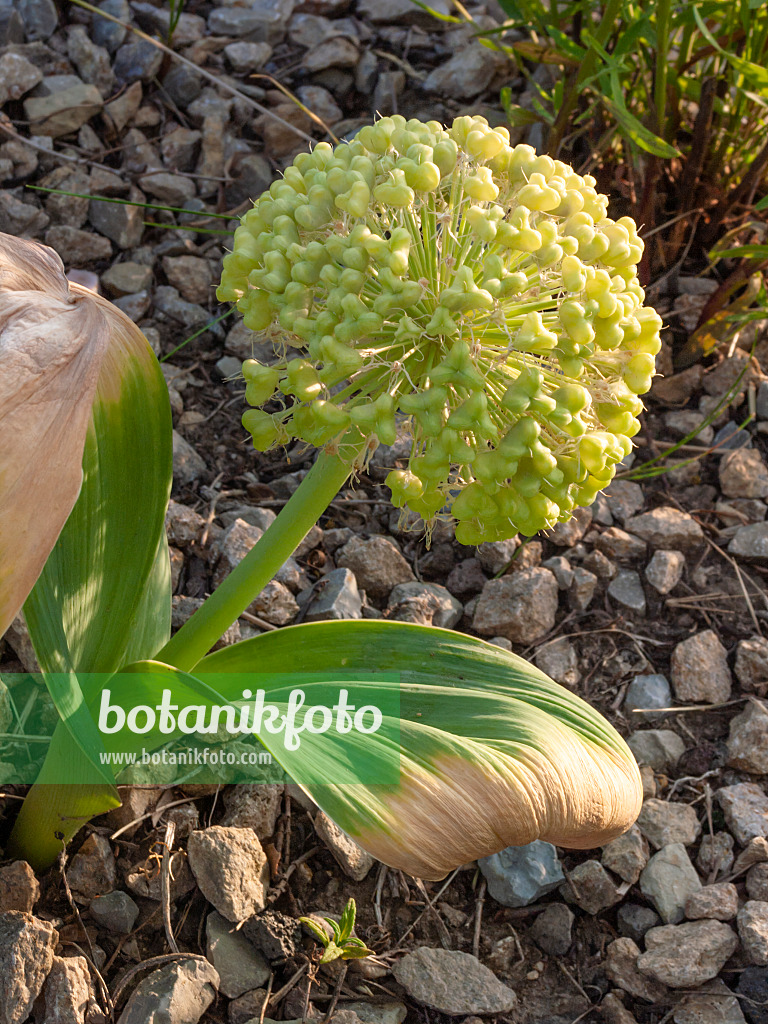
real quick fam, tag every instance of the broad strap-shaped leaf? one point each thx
(52, 343)
(492, 752)
(104, 594)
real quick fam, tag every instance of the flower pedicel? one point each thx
(473, 287)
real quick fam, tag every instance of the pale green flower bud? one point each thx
(475, 290)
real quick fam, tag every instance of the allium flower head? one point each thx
(473, 287)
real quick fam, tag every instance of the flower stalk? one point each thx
(312, 497)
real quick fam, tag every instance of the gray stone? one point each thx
(178, 310)
(757, 882)
(262, 21)
(256, 807)
(687, 422)
(753, 985)
(387, 12)
(92, 62)
(521, 875)
(713, 1003)
(231, 870)
(452, 982)
(715, 856)
(627, 591)
(40, 18)
(620, 545)
(61, 104)
(665, 570)
(425, 603)
(745, 807)
(743, 474)
(520, 607)
(663, 823)
(354, 861)
(275, 603)
(624, 499)
(179, 993)
(667, 529)
(590, 887)
(337, 597)
(561, 567)
(137, 61)
(191, 275)
(552, 930)
(378, 1013)
(719, 902)
(115, 911)
(645, 694)
(661, 749)
(621, 958)
(465, 75)
(247, 57)
(189, 27)
(26, 957)
(699, 670)
(183, 86)
(627, 855)
(179, 148)
(754, 852)
(169, 189)
(252, 175)
(634, 920)
(188, 466)
(668, 880)
(92, 870)
(496, 555)
(752, 922)
(377, 564)
(558, 660)
(77, 247)
(17, 76)
(337, 52)
(67, 995)
(149, 885)
(582, 588)
(19, 889)
(136, 307)
(750, 542)
(239, 966)
(20, 219)
(748, 739)
(730, 438)
(126, 278)
(687, 955)
(570, 532)
(122, 224)
(751, 665)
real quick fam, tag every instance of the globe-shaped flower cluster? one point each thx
(475, 288)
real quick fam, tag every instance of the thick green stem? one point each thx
(68, 792)
(315, 493)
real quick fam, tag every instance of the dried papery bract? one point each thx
(473, 288)
(52, 343)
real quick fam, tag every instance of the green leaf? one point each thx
(104, 593)
(332, 952)
(492, 752)
(347, 922)
(638, 133)
(356, 952)
(756, 75)
(316, 930)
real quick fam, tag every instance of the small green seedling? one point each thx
(342, 944)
